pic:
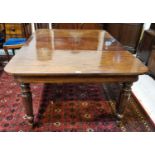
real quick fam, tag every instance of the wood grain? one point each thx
(74, 56)
(73, 52)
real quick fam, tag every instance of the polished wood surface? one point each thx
(74, 56)
(145, 47)
(73, 52)
(127, 33)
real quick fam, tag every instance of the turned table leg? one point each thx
(27, 102)
(123, 100)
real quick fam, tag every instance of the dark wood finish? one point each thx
(64, 26)
(27, 28)
(75, 56)
(123, 100)
(27, 102)
(75, 79)
(127, 34)
(7, 53)
(145, 47)
(151, 62)
(41, 25)
(152, 27)
(130, 35)
(114, 29)
(98, 26)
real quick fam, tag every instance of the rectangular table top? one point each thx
(73, 52)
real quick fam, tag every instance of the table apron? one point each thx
(60, 79)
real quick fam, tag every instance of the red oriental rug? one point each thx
(68, 107)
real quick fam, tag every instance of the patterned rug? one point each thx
(68, 107)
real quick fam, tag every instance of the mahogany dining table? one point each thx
(74, 56)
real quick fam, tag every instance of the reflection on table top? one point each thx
(64, 52)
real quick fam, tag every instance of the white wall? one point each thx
(146, 26)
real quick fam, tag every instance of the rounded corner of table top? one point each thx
(7, 70)
(146, 70)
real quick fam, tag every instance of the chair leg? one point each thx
(13, 51)
(7, 53)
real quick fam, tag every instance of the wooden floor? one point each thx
(144, 90)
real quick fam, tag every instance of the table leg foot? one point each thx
(30, 119)
(27, 102)
(123, 100)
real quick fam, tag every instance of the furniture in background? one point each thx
(16, 35)
(146, 49)
(152, 27)
(98, 26)
(13, 44)
(17, 30)
(128, 34)
(73, 56)
(145, 46)
(2, 40)
(2, 35)
(151, 62)
(41, 26)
